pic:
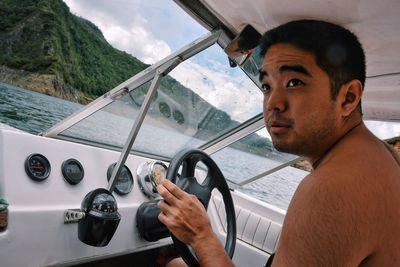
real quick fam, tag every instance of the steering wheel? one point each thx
(187, 182)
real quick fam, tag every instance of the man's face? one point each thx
(298, 111)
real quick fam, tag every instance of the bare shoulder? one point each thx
(320, 227)
(332, 219)
(366, 163)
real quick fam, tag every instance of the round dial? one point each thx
(124, 182)
(158, 172)
(72, 171)
(37, 167)
(150, 174)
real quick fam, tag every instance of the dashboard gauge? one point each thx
(158, 171)
(124, 182)
(37, 167)
(150, 174)
(72, 171)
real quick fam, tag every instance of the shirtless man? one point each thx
(344, 213)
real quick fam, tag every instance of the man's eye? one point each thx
(294, 83)
(265, 88)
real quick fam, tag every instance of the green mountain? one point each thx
(44, 37)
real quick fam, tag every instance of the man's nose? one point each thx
(276, 100)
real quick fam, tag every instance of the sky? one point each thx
(151, 29)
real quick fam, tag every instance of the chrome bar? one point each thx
(234, 135)
(261, 175)
(161, 72)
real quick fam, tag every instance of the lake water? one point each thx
(35, 113)
(30, 111)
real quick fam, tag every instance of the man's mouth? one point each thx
(278, 127)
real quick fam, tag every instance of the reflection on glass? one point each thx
(199, 100)
(111, 125)
(253, 65)
(250, 156)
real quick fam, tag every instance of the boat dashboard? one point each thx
(51, 177)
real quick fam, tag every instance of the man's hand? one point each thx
(187, 219)
(183, 214)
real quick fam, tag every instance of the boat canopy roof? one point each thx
(376, 23)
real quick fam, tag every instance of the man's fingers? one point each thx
(182, 213)
(163, 218)
(173, 189)
(166, 194)
(163, 206)
(167, 213)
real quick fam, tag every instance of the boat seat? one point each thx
(251, 227)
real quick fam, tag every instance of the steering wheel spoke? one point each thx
(188, 167)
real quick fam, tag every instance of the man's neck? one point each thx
(315, 161)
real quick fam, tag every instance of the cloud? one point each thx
(123, 26)
(232, 93)
(136, 41)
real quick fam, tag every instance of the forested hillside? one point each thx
(44, 37)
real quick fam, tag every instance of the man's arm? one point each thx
(186, 218)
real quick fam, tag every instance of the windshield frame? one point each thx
(152, 74)
(134, 82)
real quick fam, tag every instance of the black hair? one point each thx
(337, 50)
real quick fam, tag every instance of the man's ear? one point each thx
(350, 96)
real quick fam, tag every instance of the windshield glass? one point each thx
(250, 156)
(201, 99)
(254, 155)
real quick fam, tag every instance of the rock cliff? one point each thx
(48, 84)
